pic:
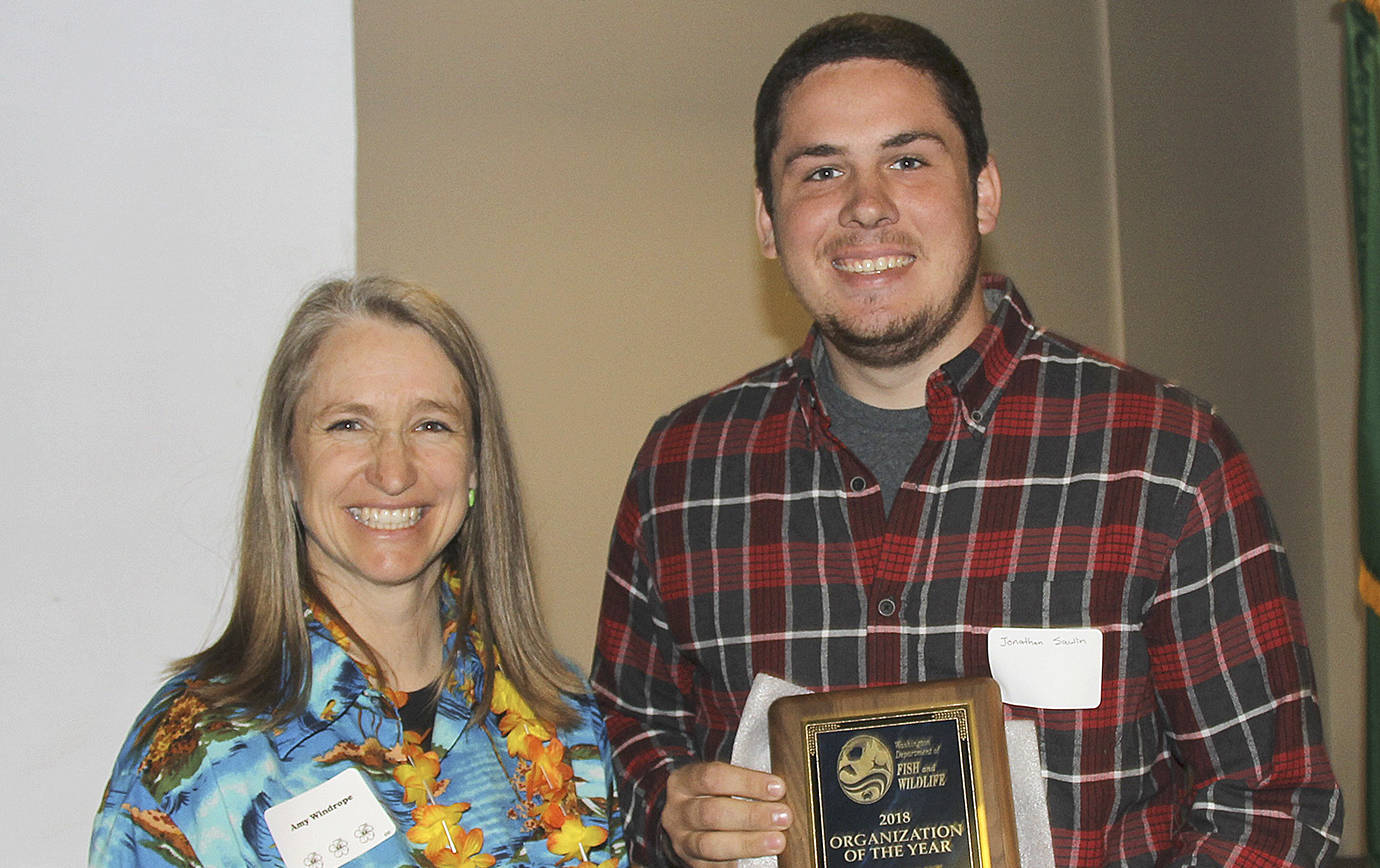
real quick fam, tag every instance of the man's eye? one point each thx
(908, 163)
(824, 173)
(345, 425)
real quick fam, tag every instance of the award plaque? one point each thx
(913, 775)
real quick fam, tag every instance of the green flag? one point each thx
(1363, 112)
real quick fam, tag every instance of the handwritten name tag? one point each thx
(1047, 667)
(331, 823)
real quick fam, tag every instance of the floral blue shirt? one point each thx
(192, 784)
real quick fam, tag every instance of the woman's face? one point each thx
(383, 456)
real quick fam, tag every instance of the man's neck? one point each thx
(897, 388)
(903, 387)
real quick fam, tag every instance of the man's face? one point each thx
(876, 220)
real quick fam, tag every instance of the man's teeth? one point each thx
(872, 266)
(386, 519)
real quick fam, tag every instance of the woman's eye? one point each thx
(345, 425)
(433, 425)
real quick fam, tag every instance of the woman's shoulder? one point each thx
(588, 716)
(148, 738)
(587, 750)
(585, 738)
(169, 752)
(174, 737)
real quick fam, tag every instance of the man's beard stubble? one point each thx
(908, 340)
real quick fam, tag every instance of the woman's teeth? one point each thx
(386, 519)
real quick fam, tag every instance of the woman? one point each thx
(384, 693)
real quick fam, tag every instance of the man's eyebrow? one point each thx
(900, 140)
(819, 150)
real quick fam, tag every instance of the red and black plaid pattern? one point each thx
(1057, 488)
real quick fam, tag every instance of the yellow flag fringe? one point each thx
(1368, 585)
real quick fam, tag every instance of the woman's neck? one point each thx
(402, 624)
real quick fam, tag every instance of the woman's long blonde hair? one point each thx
(261, 664)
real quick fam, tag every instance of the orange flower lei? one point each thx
(543, 784)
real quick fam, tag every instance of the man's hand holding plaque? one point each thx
(716, 812)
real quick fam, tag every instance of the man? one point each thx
(928, 466)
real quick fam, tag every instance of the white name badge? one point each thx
(331, 823)
(1047, 667)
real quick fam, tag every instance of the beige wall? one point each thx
(577, 177)
(1232, 208)
(1331, 283)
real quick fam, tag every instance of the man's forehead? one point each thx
(842, 75)
(838, 99)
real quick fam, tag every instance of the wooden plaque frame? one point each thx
(912, 775)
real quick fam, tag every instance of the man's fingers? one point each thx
(715, 848)
(727, 814)
(723, 779)
(716, 812)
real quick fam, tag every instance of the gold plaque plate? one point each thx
(913, 775)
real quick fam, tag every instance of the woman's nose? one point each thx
(394, 469)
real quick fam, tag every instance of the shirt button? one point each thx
(857, 483)
(886, 607)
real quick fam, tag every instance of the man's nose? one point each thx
(869, 202)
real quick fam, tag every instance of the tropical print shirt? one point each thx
(191, 785)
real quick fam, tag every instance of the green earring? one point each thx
(471, 497)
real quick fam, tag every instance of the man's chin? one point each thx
(880, 356)
(901, 341)
(887, 348)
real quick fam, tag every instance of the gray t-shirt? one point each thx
(885, 441)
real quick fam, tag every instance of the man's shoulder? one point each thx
(1101, 373)
(1111, 394)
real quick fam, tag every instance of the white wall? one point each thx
(172, 174)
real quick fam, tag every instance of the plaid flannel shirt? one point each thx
(1057, 488)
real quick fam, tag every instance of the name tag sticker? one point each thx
(1047, 667)
(331, 823)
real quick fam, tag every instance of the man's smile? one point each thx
(874, 265)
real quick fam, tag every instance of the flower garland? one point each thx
(543, 781)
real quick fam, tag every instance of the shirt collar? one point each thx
(980, 374)
(975, 378)
(341, 681)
